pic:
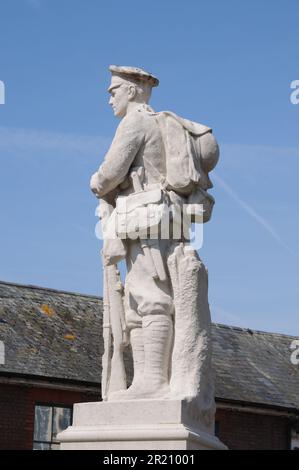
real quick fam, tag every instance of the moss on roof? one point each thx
(58, 335)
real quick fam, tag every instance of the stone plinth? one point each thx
(139, 424)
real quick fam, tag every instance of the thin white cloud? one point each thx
(252, 212)
(34, 3)
(223, 316)
(28, 140)
(23, 141)
(250, 162)
(242, 152)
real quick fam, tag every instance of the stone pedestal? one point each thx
(138, 425)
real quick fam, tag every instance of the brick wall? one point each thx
(249, 431)
(17, 411)
(12, 417)
(238, 430)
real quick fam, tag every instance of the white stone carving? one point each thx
(138, 425)
(158, 164)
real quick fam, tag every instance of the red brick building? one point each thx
(50, 358)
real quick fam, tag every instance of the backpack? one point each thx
(191, 152)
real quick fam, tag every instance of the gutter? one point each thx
(256, 408)
(57, 383)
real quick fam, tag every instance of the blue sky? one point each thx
(225, 64)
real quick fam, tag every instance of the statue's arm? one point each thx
(124, 148)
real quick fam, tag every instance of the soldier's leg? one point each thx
(157, 340)
(147, 295)
(152, 300)
(134, 324)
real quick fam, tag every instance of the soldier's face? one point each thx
(119, 99)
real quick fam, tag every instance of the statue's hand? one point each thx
(94, 182)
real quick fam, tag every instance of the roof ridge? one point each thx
(251, 331)
(48, 289)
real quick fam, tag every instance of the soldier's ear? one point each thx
(131, 92)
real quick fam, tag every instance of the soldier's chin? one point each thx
(118, 114)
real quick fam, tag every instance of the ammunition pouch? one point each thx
(140, 214)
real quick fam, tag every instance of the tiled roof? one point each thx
(58, 335)
(50, 333)
(255, 366)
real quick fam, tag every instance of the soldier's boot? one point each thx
(157, 338)
(152, 360)
(136, 339)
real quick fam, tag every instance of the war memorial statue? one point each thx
(153, 185)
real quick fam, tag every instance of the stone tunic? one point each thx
(138, 143)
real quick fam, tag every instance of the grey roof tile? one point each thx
(57, 334)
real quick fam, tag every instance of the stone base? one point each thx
(138, 425)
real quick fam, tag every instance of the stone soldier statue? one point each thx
(157, 161)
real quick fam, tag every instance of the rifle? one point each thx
(113, 368)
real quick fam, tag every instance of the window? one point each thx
(295, 434)
(295, 441)
(49, 420)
